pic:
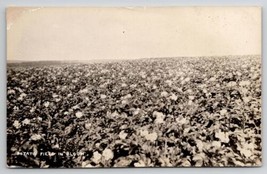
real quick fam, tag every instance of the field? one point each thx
(169, 112)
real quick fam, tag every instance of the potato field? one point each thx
(157, 112)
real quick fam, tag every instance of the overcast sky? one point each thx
(116, 33)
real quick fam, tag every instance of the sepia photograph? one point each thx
(116, 87)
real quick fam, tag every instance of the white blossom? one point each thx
(174, 97)
(187, 79)
(102, 96)
(79, 114)
(223, 136)
(159, 117)
(140, 163)
(26, 121)
(191, 97)
(36, 137)
(88, 126)
(212, 79)
(164, 94)
(46, 104)
(16, 124)
(123, 85)
(96, 157)
(107, 154)
(223, 111)
(122, 135)
(152, 136)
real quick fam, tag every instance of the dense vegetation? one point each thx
(138, 113)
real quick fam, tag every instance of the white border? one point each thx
(6, 3)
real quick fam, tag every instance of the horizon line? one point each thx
(77, 60)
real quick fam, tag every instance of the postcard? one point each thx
(104, 87)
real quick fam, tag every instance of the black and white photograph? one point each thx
(120, 87)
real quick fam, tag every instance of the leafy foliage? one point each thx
(140, 113)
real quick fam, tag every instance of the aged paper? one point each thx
(133, 87)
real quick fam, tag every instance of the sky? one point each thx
(81, 33)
